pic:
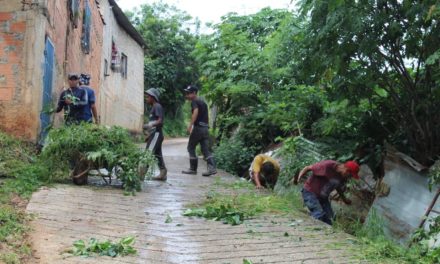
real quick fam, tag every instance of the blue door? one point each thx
(45, 114)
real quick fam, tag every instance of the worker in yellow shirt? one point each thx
(264, 171)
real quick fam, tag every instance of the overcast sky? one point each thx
(212, 10)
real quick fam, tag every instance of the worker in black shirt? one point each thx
(199, 133)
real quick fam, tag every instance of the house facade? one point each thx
(42, 41)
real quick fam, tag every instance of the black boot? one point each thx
(193, 162)
(211, 167)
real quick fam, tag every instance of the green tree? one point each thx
(168, 62)
(385, 52)
(234, 71)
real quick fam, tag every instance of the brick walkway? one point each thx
(66, 213)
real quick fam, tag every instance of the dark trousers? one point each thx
(320, 208)
(154, 144)
(200, 134)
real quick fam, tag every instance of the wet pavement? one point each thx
(66, 213)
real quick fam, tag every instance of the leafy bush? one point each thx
(234, 155)
(296, 153)
(225, 213)
(88, 146)
(105, 248)
(434, 174)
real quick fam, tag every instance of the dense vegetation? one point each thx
(344, 78)
(352, 75)
(168, 64)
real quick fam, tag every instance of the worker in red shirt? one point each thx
(327, 175)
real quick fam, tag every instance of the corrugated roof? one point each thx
(126, 24)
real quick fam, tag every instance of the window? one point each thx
(115, 66)
(106, 68)
(87, 22)
(124, 65)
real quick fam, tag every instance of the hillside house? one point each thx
(43, 40)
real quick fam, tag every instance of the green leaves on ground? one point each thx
(225, 213)
(104, 248)
(234, 209)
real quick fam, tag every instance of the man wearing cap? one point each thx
(90, 111)
(74, 100)
(199, 133)
(327, 175)
(154, 131)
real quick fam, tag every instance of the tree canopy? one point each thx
(168, 63)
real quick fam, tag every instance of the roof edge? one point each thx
(123, 21)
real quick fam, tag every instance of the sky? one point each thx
(210, 11)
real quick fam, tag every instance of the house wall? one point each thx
(22, 42)
(21, 47)
(69, 54)
(23, 32)
(121, 98)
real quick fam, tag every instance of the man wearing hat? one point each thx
(74, 100)
(199, 133)
(154, 130)
(327, 175)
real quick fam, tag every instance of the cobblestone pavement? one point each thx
(65, 213)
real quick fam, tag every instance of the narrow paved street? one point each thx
(65, 213)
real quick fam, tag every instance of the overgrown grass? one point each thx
(25, 175)
(374, 246)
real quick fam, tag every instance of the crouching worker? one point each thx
(153, 130)
(327, 175)
(264, 171)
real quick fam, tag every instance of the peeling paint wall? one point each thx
(18, 65)
(122, 98)
(23, 32)
(70, 56)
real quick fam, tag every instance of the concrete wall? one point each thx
(21, 50)
(121, 98)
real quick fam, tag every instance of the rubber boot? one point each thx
(162, 175)
(211, 167)
(192, 167)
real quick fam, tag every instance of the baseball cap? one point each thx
(353, 167)
(71, 76)
(191, 89)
